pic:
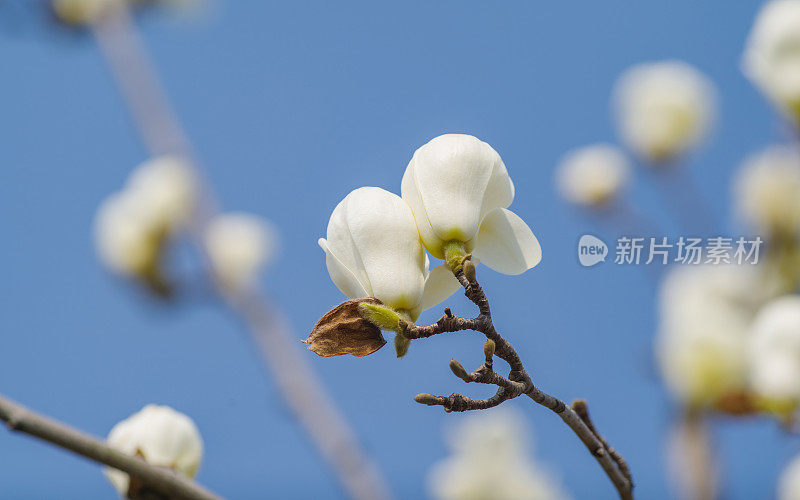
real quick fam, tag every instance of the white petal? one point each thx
(506, 244)
(439, 285)
(342, 276)
(411, 195)
(340, 243)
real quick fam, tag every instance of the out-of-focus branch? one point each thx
(692, 457)
(162, 133)
(21, 419)
(516, 384)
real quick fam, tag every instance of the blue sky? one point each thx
(291, 105)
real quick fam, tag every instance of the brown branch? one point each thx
(302, 391)
(517, 383)
(172, 485)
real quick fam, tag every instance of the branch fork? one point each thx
(518, 381)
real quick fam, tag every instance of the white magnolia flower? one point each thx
(458, 189)
(162, 437)
(592, 175)
(774, 350)
(82, 11)
(373, 250)
(490, 461)
(789, 483)
(664, 108)
(768, 190)
(238, 246)
(772, 54)
(704, 315)
(131, 225)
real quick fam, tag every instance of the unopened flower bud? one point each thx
(488, 348)
(469, 270)
(238, 246)
(401, 345)
(82, 12)
(664, 108)
(426, 399)
(162, 437)
(458, 370)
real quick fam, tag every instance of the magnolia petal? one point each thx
(411, 195)
(340, 243)
(341, 275)
(506, 244)
(439, 285)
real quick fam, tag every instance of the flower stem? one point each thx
(454, 252)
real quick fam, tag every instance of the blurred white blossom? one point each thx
(490, 461)
(767, 190)
(774, 350)
(238, 246)
(131, 225)
(162, 437)
(82, 11)
(789, 482)
(458, 190)
(664, 108)
(592, 175)
(704, 316)
(373, 250)
(772, 54)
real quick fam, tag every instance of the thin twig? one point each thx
(21, 419)
(302, 391)
(517, 383)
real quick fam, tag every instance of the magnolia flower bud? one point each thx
(373, 250)
(159, 435)
(768, 190)
(663, 108)
(401, 345)
(459, 370)
(789, 482)
(593, 175)
(238, 246)
(79, 12)
(458, 189)
(771, 57)
(702, 332)
(490, 460)
(774, 350)
(132, 225)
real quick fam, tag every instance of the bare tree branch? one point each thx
(517, 383)
(302, 391)
(163, 480)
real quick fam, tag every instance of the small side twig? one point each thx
(582, 409)
(516, 384)
(164, 481)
